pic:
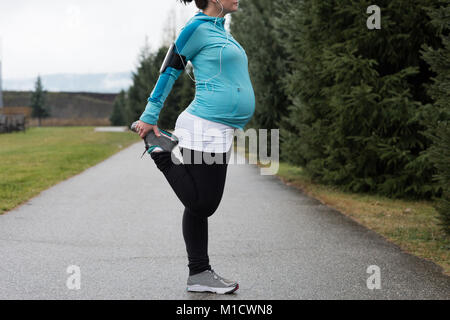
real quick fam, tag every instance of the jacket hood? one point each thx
(204, 17)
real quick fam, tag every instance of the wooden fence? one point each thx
(12, 122)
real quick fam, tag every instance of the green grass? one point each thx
(34, 160)
(416, 230)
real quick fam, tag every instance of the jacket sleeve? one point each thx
(189, 43)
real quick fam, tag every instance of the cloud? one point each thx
(82, 36)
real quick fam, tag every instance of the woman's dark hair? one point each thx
(201, 4)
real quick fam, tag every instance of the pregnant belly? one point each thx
(231, 102)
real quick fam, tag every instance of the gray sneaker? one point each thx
(209, 281)
(166, 141)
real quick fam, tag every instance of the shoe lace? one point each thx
(217, 277)
(146, 148)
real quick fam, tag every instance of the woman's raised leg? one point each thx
(199, 186)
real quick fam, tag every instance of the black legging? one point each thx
(200, 188)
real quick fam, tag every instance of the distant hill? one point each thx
(99, 82)
(68, 105)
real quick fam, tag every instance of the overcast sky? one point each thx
(81, 36)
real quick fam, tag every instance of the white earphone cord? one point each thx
(220, 55)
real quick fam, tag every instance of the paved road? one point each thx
(279, 243)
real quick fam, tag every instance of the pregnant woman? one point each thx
(224, 101)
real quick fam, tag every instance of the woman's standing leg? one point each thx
(210, 179)
(200, 188)
(195, 234)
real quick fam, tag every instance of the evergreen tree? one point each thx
(143, 80)
(38, 102)
(439, 111)
(440, 156)
(117, 117)
(356, 118)
(187, 91)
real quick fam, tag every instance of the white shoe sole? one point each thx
(200, 288)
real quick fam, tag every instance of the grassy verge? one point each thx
(41, 157)
(412, 225)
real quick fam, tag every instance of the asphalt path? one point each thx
(119, 224)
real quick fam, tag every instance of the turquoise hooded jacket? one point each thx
(224, 91)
